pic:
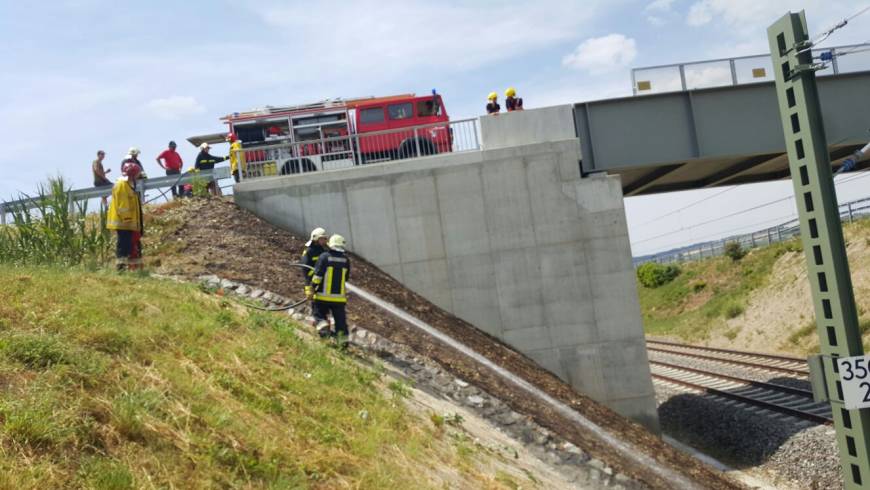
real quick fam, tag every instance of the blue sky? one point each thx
(99, 74)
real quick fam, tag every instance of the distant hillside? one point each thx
(761, 302)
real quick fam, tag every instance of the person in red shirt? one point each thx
(171, 161)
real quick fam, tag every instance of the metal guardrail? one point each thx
(143, 185)
(739, 70)
(784, 231)
(286, 158)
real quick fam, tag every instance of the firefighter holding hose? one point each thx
(315, 247)
(329, 295)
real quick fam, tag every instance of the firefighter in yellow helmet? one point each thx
(125, 218)
(329, 295)
(511, 101)
(492, 107)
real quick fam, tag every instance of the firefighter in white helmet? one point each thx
(133, 157)
(313, 249)
(330, 290)
(207, 161)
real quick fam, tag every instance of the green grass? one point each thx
(118, 381)
(804, 332)
(700, 301)
(707, 294)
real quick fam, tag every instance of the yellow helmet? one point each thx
(510, 92)
(492, 96)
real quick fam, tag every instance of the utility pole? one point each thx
(821, 234)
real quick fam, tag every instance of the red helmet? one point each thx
(131, 170)
(231, 137)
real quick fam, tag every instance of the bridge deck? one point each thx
(710, 137)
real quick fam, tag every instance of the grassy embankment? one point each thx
(709, 298)
(115, 381)
(124, 381)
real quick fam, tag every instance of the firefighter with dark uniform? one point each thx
(511, 101)
(492, 106)
(329, 293)
(313, 249)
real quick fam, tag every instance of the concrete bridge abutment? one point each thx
(511, 239)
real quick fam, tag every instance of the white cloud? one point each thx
(174, 107)
(742, 25)
(753, 16)
(602, 54)
(659, 12)
(709, 76)
(392, 36)
(700, 13)
(659, 6)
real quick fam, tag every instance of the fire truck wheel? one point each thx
(297, 165)
(408, 148)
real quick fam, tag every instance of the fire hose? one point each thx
(850, 162)
(286, 307)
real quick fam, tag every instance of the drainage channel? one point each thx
(631, 452)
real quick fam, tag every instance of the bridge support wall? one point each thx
(510, 239)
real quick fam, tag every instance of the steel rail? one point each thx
(731, 351)
(794, 412)
(790, 371)
(757, 384)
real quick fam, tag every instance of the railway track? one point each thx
(793, 366)
(788, 400)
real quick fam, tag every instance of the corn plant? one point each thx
(200, 186)
(56, 230)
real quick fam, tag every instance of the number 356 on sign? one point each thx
(855, 378)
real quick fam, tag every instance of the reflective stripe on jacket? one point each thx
(125, 212)
(330, 277)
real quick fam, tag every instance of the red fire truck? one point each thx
(339, 133)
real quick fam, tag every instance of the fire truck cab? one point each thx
(338, 133)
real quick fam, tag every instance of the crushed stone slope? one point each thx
(216, 237)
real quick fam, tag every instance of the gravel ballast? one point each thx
(780, 448)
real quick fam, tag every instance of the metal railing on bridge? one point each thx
(287, 158)
(144, 185)
(737, 71)
(849, 212)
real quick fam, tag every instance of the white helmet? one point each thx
(133, 151)
(204, 146)
(337, 242)
(317, 234)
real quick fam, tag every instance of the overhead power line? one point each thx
(826, 34)
(687, 206)
(737, 213)
(710, 236)
(731, 215)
